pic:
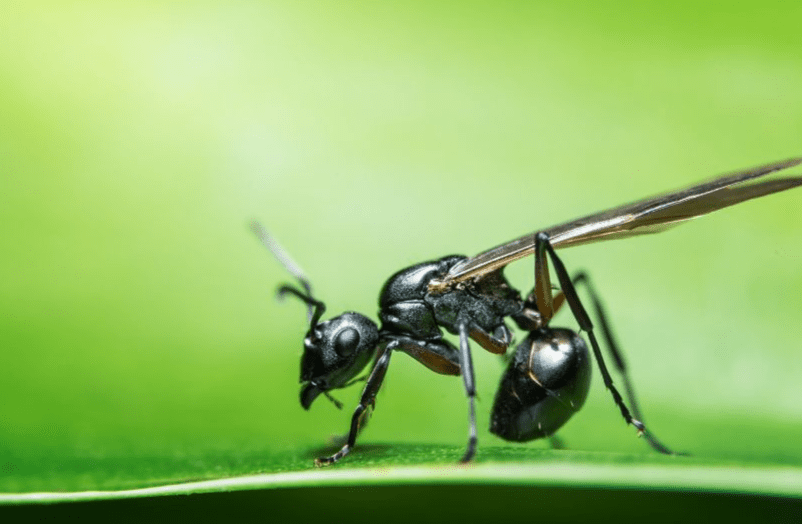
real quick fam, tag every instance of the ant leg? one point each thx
(496, 343)
(544, 300)
(618, 356)
(466, 364)
(368, 399)
(541, 304)
(542, 244)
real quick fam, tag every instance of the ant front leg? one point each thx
(542, 246)
(367, 400)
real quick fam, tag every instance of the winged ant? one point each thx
(548, 375)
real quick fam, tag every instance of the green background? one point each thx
(141, 341)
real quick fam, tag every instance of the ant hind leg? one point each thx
(542, 245)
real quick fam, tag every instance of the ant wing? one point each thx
(651, 215)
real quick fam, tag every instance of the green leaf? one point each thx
(400, 464)
(402, 481)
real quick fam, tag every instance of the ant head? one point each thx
(335, 352)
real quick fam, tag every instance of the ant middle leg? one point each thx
(466, 365)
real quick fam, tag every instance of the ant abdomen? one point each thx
(546, 382)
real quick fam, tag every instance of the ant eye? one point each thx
(346, 342)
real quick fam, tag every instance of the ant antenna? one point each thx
(337, 403)
(315, 307)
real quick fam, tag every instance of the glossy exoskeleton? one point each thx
(547, 381)
(548, 376)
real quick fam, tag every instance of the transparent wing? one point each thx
(651, 215)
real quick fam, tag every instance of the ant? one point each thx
(548, 375)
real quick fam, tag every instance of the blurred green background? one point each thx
(139, 328)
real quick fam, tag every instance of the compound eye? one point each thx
(346, 342)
